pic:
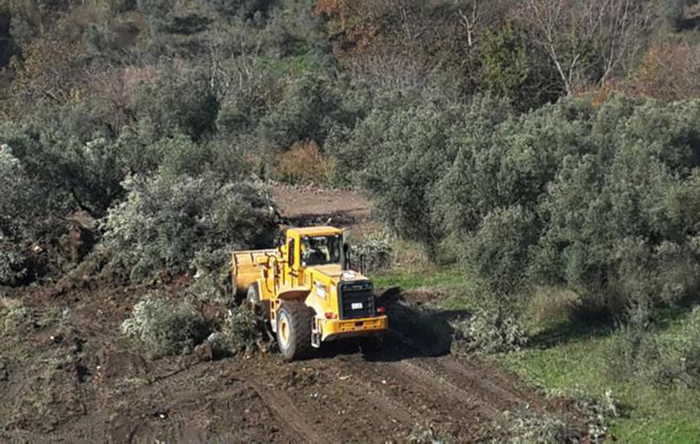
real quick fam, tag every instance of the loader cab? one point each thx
(306, 247)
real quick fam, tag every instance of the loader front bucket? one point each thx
(244, 268)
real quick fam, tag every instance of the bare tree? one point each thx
(623, 35)
(586, 39)
(478, 15)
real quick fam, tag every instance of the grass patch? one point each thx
(575, 358)
(571, 357)
(439, 277)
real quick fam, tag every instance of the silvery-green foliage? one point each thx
(491, 330)
(411, 151)
(15, 210)
(165, 327)
(623, 217)
(166, 221)
(605, 202)
(374, 250)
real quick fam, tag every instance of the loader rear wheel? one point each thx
(294, 330)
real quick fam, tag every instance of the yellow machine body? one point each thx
(342, 300)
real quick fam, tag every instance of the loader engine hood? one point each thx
(336, 273)
(354, 291)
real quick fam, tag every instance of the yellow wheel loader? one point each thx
(308, 293)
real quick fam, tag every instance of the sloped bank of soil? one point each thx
(72, 378)
(67, 375)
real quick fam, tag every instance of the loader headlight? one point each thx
(320, 290)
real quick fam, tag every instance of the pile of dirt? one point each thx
(69, 374)
(306, 206)
(72, 377)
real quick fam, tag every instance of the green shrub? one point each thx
(411, 150)
(166, 221)
(211, 281)
(165, 327)
(307, 109)
(505, 161)
(603, 202)
(526, 427)
(500, 250)
(374, 250)
(623, 218)
(13, 189)
(71, 173)
(241, 331)
(177, 101)
(494, 329)
(24, 209)
(664, 360)
(513, 68)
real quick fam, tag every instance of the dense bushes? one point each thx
(403, 154)
(622, 219)
(492, 328)
(663, 359)
(187, 99)
(177, 102)
(165, 327)
(241, 331)
(604, 202)
(16, 208)
(167, 222)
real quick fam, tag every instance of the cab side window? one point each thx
(292, 253)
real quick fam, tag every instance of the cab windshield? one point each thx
(320, 250)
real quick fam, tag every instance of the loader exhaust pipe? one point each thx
(345, 257)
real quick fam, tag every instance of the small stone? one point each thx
(203, 352)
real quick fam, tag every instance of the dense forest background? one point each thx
(547, 149)
(538, 143)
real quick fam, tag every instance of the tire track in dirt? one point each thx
(284, 409)
(337, 405)
(414, 389)
(376, 392)
(504, 390)
(413, 398)
(505, 393)
(438, 384)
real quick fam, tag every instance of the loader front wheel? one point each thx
(294, 330)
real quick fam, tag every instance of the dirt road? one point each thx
(74, 379)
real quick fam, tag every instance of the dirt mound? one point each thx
(73, 378)
(306, 206)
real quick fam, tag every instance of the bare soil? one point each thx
(304, 206)
(69, 376)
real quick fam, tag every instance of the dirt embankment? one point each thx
(304, 206)
(75, 380)
(67, 375)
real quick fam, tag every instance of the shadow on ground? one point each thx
(414, 331)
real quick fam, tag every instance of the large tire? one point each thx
(294, 324)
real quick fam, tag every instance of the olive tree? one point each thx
(166, 222)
